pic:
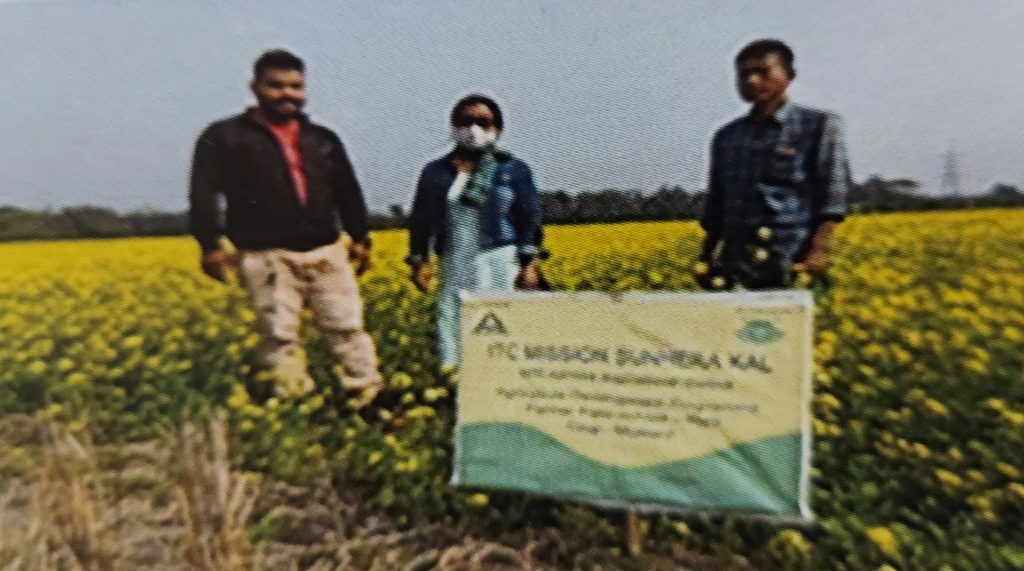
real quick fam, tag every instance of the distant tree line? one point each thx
(86, 222)
(667, 203)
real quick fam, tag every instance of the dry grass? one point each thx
(82, 508)
(62, 514)
(214, 502)
(70, 523)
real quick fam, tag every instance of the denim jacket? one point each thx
(511, 213)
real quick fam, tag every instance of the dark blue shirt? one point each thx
(787, 170)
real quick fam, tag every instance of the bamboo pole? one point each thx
(636, 532)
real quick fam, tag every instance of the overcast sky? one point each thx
(100, 101)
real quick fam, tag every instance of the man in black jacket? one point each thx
(285, 182)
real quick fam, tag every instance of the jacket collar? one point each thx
(781, 115)
(251, 114)
(500, 155)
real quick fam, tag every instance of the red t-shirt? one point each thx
(288, 136)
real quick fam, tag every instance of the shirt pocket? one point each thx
(785, 167)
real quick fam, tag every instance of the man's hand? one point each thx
(815, 263)
(818, 259)
(215, 263)
(422, 277)
(359, 254)
(528, 277)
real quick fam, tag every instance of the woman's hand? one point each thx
(423, 277)
(529, 276)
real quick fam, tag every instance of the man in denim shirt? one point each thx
(779, 181)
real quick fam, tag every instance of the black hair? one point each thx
(277, 59)
(476, 99)
(763, 48)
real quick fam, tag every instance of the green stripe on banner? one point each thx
(761, 476)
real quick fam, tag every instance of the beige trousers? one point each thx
(282, 282)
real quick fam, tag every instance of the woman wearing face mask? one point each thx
(479, 207)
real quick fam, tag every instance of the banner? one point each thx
(678, 401)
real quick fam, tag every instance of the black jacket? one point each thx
(242, 160)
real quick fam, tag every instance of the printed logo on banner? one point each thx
(760, 332)
(490, 324)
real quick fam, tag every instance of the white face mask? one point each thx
(474, 137)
